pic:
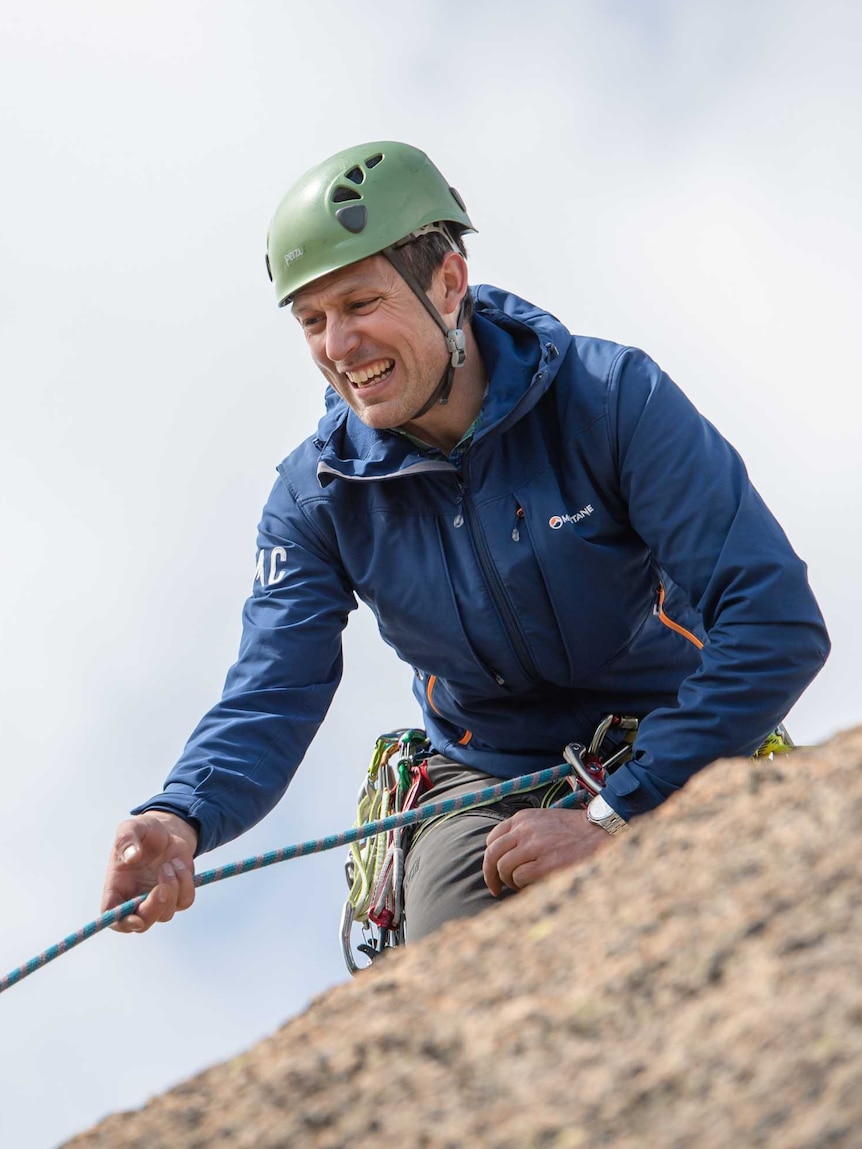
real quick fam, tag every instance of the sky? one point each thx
(680, 176)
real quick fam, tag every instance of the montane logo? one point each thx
(556, 521)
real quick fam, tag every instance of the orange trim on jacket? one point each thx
(429, 693)
(670, 623)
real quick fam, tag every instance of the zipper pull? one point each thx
(519, 518)
(458, 521)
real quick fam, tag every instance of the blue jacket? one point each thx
(521, 579)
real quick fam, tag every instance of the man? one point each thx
(545, 528)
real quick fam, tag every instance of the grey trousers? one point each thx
(443, 868)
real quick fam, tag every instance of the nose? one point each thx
(342, 338)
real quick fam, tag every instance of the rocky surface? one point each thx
(696, 984)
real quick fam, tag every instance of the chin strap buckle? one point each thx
(456, 345)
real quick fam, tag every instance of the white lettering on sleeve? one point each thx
(279, 554)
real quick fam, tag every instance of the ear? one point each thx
(450, 285)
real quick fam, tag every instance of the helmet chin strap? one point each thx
(456, 344)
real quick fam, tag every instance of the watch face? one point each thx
(598, 810)
(601, 814)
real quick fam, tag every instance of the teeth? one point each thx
(359, 378)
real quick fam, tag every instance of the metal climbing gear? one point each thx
(590, 766)
(778, 741)
(396, 777)
(375, 867)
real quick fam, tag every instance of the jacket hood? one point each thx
(521, 346)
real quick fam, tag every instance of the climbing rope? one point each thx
(572, 773)
(287, 853)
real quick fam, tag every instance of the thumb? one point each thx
(140, 841)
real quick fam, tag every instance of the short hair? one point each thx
(424, 255)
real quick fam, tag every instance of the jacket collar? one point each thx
(521, 347)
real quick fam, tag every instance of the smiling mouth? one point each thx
(373, 373)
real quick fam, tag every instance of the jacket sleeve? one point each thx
(240, 759)
(691, 501)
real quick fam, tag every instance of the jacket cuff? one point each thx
(630, 791)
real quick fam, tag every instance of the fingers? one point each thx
(527, 873)
(174, 891)
(151, 855)
(499, 830)
(533, 843)
(185, 884)
(167, 891)
(502, 857)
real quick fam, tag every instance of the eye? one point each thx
(309, 321)
(360, 304)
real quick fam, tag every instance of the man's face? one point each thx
(373, 340)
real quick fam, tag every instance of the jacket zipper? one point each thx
(519, 518)
(505, 611)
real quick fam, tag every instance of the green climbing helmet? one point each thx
(354, 205)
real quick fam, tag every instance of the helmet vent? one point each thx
(457, 198)
(353, 217)
(342, 194)
(373, 161)
(355, 175)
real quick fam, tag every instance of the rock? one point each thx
(695, 984)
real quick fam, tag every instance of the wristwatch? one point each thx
(601, 814)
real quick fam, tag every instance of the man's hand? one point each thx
(152, 854)
(533, 843)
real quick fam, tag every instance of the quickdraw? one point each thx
(375, 867)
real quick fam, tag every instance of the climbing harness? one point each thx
(397, 777)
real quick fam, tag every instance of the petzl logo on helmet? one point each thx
(292, 255)
(556, 521)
